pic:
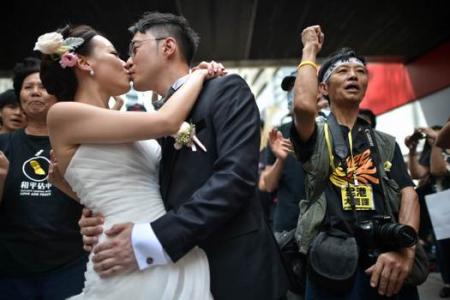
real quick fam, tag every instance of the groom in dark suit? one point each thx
(210, 195)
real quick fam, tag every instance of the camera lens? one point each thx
(397, 236)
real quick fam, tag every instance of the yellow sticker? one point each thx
(37, 167)
(362, 194)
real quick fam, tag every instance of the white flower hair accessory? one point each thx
(55, 45)
(186, 137)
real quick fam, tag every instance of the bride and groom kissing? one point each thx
(181, 224)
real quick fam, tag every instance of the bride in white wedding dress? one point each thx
(129, 190)
(107, 156)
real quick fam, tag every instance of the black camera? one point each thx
(380, 234)
(417, 135)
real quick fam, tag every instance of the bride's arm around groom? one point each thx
(212, 201)
(210, 195)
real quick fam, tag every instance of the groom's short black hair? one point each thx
(167, 24)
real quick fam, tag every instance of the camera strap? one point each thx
(339, 147)
(380, 168)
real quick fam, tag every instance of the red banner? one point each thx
(389, 87)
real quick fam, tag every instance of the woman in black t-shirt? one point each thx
(41, 252)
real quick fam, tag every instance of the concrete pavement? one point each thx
(430, 289)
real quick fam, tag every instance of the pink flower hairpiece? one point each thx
(68, 59)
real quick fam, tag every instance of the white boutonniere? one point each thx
(186, 137)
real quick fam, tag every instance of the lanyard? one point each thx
(330, 151)
(331, 158)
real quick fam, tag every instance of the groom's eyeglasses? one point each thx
(136, 44)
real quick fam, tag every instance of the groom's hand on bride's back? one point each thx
(90, 228)
(115, 255)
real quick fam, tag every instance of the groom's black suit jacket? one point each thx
(211, 197)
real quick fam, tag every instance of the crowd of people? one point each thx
(179, 202)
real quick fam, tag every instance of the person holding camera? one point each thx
(432, 170)
(359, 235)
(419, 168)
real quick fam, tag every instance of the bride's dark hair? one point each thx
(62, 82)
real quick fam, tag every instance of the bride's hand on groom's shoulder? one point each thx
(212, 69)
(115, 255)
(90, 228)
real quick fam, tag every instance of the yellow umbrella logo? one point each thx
(37, 167)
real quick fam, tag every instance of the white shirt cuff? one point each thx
(147, 248)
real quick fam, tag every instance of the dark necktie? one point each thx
(159, 103)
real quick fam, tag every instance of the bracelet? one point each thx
(308, 63)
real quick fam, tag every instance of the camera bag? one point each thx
(333, 261)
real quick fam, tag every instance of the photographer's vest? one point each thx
(313, 209)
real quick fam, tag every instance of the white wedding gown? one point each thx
(120, 181)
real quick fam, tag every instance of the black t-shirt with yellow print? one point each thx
(39, 229)
(361, 173)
